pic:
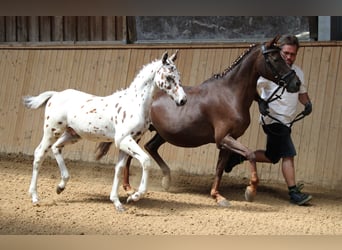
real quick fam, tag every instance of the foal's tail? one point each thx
(34, 102)
(102, 149)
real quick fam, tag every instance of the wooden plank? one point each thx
(45, 28)
(316, 90)
(70, 28)
(2, 29)
(328, 135)
(33, 28)
(11, 28)
(306, 124)
(323, 104)
(120, 28)
(109, 28)
(22, 29)
(95, 28)
(57, 28)
(83, 28)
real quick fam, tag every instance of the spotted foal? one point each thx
(122, 118)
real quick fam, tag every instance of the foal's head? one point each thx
(276, 68)
(167, 78)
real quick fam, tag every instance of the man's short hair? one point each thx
(289, 40)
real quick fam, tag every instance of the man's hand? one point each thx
(307, 109)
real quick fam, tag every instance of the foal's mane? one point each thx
(236, 62)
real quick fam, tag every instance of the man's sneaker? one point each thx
(299, 198)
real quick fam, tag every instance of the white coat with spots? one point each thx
(122, 118)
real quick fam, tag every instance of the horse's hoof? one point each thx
(223, 203)
(59, 190)
(129, 190)
(166, 182)
(250, 194)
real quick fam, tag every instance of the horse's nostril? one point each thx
(182, 102)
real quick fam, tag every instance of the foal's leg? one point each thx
(230, 143)
(152, 147)
(39, 155)
(114, 195)
(67, 137)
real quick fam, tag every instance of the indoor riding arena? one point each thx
(101, 55)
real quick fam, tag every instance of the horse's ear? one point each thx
(273, 41)
(174, 56)
(164, 57)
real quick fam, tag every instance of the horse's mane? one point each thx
(236, 62)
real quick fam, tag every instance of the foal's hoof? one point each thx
(133, 197)
(120, 208)
(59, 190)
(250, 194)
(36, 203)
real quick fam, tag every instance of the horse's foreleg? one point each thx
(132, 148)
(230, 143)
(66, 138)
(223, 159)
(126, 185)
(39, 155)
(152, 147)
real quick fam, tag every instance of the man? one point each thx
(276, 117)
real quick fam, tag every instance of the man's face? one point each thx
(289, 53)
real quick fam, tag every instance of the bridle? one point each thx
(281, 81)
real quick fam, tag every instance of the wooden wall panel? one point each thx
(46, 29)
(102, 70)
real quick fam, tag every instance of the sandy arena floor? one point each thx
(186, 209)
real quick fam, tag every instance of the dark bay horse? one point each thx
(217, 111)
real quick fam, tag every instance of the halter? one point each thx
(281, 81)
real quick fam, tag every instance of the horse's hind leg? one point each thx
(152, 147)
(126, 185)
(39, 155)
(131, 147)
(214, 192)
(68, 137)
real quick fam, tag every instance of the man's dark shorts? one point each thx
(279, 142)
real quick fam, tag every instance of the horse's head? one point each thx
(276, 68)
(167, 79)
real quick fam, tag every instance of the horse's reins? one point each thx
(282, 83)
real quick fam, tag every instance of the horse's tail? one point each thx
(102, 149)
(34, 102)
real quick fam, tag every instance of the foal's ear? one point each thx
(174, 56)
(164, 57)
